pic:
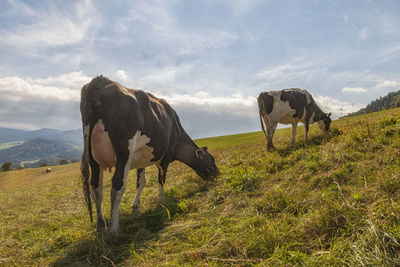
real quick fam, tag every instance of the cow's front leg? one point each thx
(270, 132)
(141, 182)
(306, 127)
(294, 131)
(122, 167)
(162, 172)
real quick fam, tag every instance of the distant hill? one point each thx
(40, 150)
(391, 100)
(12, 135)
(44, 145)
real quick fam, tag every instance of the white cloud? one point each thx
(204, 115)
(363, 34)
(354, 89)
(337, 107)
(295, 66)
(240, 7)
(54, 102)
(51, 27)
(388, 84)
(156, 23)
(121, 75)
(63, 87)
(235, 104)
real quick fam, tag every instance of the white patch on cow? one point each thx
(117, 199)
(102, 149)
(136, 144)
(142, 153)
(281, 111)
(142, 183)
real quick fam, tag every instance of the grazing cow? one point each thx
(290, 106)
(131, 129)
(48, 170)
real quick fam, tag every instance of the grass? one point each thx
(10, 144)
(332, 201)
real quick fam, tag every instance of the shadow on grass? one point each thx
(135, 230)
(315, 140)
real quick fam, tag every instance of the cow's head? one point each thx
(204, 164)
(325, 123)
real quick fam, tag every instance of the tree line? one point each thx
(391, 100)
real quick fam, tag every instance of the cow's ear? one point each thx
(204, 148)
(200, 153)
(329, 114)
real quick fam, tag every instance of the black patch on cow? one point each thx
(267, 101)
(296, 100)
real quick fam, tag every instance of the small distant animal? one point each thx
(131, 129)
(48, 170)
(290, 106)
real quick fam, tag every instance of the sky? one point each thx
(209, 59)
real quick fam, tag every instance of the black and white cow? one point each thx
(131, 129)
(290, 106)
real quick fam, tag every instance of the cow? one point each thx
(131, 129)
(290, 106)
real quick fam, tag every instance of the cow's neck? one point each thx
(186, 150)
(318, 113)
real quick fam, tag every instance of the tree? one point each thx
(7, 166)
(63, 161)
(44, 164)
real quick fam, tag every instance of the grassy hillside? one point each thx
(333, 201)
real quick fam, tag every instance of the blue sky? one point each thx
(209, 59)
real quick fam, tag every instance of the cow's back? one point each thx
(285, 106)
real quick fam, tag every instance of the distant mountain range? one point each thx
(391, 100)
(30, 148)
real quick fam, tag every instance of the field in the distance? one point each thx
(333, 201)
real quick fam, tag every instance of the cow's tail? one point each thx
(85, 174)
(261, 109)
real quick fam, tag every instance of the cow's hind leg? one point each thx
(141, 182)
(270, 134)
(96, 192)
(122, 167)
